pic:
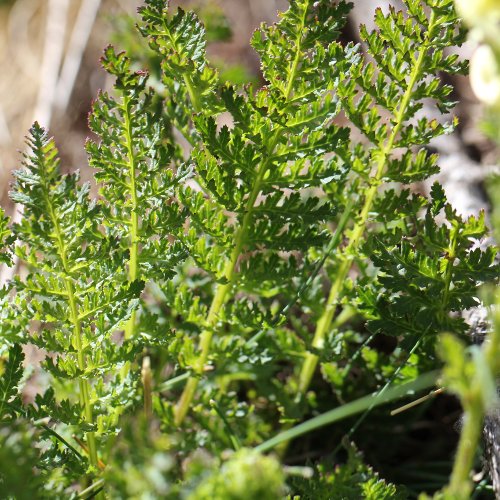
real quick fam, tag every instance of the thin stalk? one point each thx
(172, 382)
(235, 442)
(147, 387)
(418, 401)
(134, 215)
(91, 491)
(381, 392)
(325, 322)
(349, 409)
(492, 348)
(52, 432)
(229, 271)
(43, 424)
(218, 301)
(460, 485)
(355, 356)
(334, 243)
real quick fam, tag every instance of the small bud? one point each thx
(485, 76)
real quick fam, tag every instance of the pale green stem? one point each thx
(460, 485)
(218, 302)
(147, 387)
(229, 271)
(134, 215)
(98, 485)
(492, 348)
(193, 96)
(83, 383)
(325, 322)
(448, 273)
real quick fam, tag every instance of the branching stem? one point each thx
(230, 268)
(83, 383)
(325, 322)
(219, 299)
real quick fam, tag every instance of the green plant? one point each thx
(209, 262)
(471, 372)
(353, 479)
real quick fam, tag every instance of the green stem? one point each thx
(325, 322)
(83, 383)
(193, 96)
(460, 485)
(448, 273)
(492, 348)
(298, 54)
(91, 491)
(220, 294)
(218, 301)
(229, 271)
(134, 215)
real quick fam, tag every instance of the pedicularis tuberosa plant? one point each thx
(249, 248)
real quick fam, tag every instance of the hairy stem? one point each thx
(325, 322)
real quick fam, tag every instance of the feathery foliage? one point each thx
(381, 98)
(6, 239)
(354, 479)
(244, 214)
(241, 237)
(130, 160)
(71, 287)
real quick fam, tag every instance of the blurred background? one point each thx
(49, 63)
